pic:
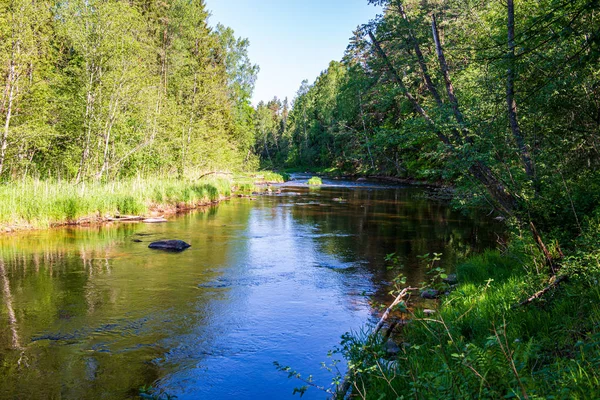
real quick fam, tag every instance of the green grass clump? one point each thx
(270, 177)
(315, 181)
(482, 344)
(246, 183)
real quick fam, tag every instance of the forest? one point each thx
(104, 90)
(114, 106)
(500, 100)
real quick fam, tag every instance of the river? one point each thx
(91, 312)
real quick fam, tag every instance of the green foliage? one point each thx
(482, 344)
(315, 181)
(104, 90)
(491, 264)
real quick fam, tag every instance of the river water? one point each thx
(91, 312)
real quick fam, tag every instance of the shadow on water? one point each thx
(92, 312)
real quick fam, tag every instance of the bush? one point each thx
(315, 181)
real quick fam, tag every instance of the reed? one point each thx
(41, 204)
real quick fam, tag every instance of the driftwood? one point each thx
(557, 281)
(125, 218)
(157, 220)
(387, 312)
(214, 173)
(342, 389)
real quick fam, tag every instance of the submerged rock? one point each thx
(155, 220)
(430, 294)
(171, 245)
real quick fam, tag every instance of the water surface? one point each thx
(92, 313)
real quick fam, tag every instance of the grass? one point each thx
(246, 183)
(481, 344)
(41, 204)
(315, 181)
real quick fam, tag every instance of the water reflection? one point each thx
(96, 313)
(8, 300)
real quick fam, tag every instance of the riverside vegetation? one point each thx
(105, 102)
(117, 107)
(499, 100)
(42, 204)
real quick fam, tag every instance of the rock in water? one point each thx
(391, 348)
(430, 294)
(171, 245)
(452, 279)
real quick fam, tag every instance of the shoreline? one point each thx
(35, 205)
(175, 207)
(155, 211)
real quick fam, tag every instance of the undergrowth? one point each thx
(482, 344)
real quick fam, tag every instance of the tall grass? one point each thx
(40, 204)
(482, 344)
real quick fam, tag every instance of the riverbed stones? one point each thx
(169, 245)
(430, 294)
(451, 279)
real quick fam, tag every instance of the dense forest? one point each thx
(109, 89)
(501, 100)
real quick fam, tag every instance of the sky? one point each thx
(291, 40)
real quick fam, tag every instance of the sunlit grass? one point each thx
(40, 204)
(315, 181)
(482, 344)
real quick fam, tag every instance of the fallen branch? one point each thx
(387, 312)
(125, 218)
(214, 173)
(342, 389)
(557, 281)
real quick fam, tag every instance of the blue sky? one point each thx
(291, 40)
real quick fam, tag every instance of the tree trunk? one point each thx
(510, 94)
(89, 106)
(187, 140)
(362, 117)
(113, 106)
(446, 72)
(10, 98)
(420, 57)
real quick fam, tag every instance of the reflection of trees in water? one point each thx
(381, 222)
(90, 309)
(8, 301)
(45, 280)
